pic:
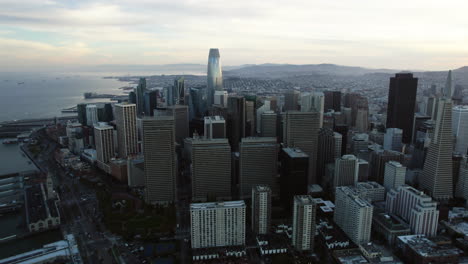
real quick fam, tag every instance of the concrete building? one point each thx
(136, 172)
(210, 168)
(269, 121)
(293, 180)
(258, 163)
(346, 171)
(217, 224)
(127, 137)
(415, 207)
(353, 215)
(436, 177)
(291, 100)
(370, 191)
(460, 128)
(301, 131)
(329, 148)
(419, 249)
(332, 101)
(378, 159)
(91, 115)
(104, 137)
(304, 222)
(313, 102)
(392, 139)
(389, 226)
(261, 209)
(181, 121)
(160, 159)
(462, 186)
(220, 98)
(394, 175)
(215, 127)
(359, 143)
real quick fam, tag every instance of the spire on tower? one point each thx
(447, 92)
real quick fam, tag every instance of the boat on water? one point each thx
(10, 141)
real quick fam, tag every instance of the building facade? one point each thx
(127, 138)
(261, 209)
(304, 226)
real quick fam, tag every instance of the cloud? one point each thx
(367, 32)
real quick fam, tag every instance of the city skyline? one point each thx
(88, 33)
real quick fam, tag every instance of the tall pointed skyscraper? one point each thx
(437, 173)
(215, 76)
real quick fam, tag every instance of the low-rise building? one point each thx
(389, 226)
(418, 249)
(41, 213)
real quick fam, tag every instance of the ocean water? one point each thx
(13, 160)
(39, 95)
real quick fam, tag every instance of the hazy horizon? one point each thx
(49, 35)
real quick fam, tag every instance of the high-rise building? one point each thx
(415, 207)
(217, 224)
(220, 98)
(258, 163)
(359, 143)
(343, 130)
(362, 119)
(370, 191)
(363, 170)
(211, 168)
(436, 177)
(91, 115)
(418, 124)
(179, 91)
(181, 119)
(329, 148)
(462, 186)
(460, 128)
(346, 171)
(160, 159)
(392, 139)
(313, 102)
(353, 214)
(304, 222)
(377, 161)
(140, 96)
(104, 137)
(197, 101)
(81, 109)
(291, 100)
(401, 103)
(214, 75)
(294, 170)
(215, 127)
(236, 120)
(332, 101)
(301, 131)
(394, 175)
(261, 209)
(125, 119)
(268, 124)
(150, 101)
(249, 118)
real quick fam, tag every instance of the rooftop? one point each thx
(202, 206)
(424, 247)
(295, 153)
(304, 199)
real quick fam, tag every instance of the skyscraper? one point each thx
(313, 102)
(462, 186)
(304, 222)
(401, 103)
(91, 115)
(329, 148)
(217, 224)
(150, 101)
(392, 139)
(81, 109)
(258, 163)
(104, 136)
(261, 209)
(236, 120)
(346, 171)
(211, 168)
(294, 171)
(301, 131)
(179, 91)
(460, 128)
(249, 118)
(160, 159)
(378, 158)
(181, 119)
(268, 125)
(353, 215)
(291, 101)
(125, 119)
(215, 76)
(394, 175)
(436, 177)
(332, 101)
(140, 96)
(215, 127)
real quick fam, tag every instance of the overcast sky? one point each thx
(411, 34)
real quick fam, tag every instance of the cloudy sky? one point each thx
(415, 34)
